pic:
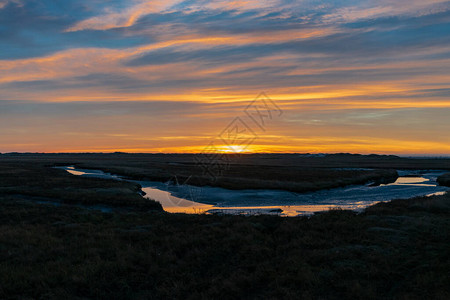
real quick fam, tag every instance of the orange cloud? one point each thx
(125, 18)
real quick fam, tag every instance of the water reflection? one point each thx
(170, 202)
(189, 199)
(416, 181)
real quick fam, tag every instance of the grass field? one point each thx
(395, 250)
(243, 172)
(398, 250)
(38, 181)
(444, 179)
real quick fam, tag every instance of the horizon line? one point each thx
(240, 153)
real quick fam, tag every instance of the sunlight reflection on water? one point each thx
(175, 199)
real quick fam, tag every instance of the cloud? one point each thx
(4, 3)
(123, 18)
(239, 6)
(385, 9)
(344, 70)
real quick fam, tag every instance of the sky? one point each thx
(179, 76)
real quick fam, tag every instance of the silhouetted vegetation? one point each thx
(394, 250)
(42, 183)
(244, 172)
(444, 180)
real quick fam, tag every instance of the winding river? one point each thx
(180, 198)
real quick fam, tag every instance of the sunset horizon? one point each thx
(197, 149)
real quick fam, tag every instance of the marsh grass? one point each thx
(41, 181)
(53, 252)
(394, 250)
(267, 171)
(243, 176)
(444, 180)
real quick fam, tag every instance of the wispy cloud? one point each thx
(385, 9)
(323, 62)
(124, 17)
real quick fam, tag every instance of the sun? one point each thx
(233, 149)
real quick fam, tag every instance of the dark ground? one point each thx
(395, 250)
(291, 172)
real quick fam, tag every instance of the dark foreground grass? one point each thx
(444, 180)
(38, 181)
(398, 250)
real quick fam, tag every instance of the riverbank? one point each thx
(31, 176)
(38, 182)
(393, 250)
(265, 171)
(444, 179)
(190, 199)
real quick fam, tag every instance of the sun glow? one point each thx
(233, 149)
(110, 83)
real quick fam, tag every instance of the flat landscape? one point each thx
(57, 242)
(294, 172)
(195, 149)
